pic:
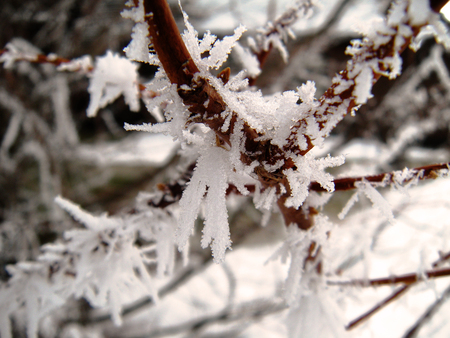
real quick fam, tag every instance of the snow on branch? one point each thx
(266, 137)
(21, 50)
(276, 33)
(100, 263)
(376, 55)
(405, 177)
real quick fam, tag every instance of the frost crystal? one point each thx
(113, 76)
(210, 177)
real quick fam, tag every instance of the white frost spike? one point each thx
(248, 60)
(377, 199)
(307, 91)
(137, 49)
(351, 202)
(419, 11)
(210, 176)
(113, 75)
(364, 82)
(308, 170)
(222, 48)
(91, 222)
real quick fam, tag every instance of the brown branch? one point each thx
(337, 102)
(409, 278)
(395, 295)
(348, 183)
(168, 44)
(42, 59)
(432, 309)
(206, 104)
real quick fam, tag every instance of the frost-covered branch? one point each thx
(396, 178)
(13, 53)
(274, 158)
(376, 55)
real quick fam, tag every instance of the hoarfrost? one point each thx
(210, 177)
(113, 76)
(137, 49)
(374, 196)
(309, 170)
(248, 60)
(364, 82)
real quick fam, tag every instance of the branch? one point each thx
(370, 61)
(281, 27)
(168, 44)
(352, 87)
(432, 309)
(431, 171)
(394, 295)
(409, 278)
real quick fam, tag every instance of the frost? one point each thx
(113, 76)
(218, 49)
(374, 196)
(248, 60)
(18, 49)
(256, 145)
(136, 13)
(82, 64)
(307, 91)
(418, 11)
(137, 49)
(308, 170)
(364, 82)
(210, 177)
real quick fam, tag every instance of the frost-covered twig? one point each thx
(275, 34)
(12, 54)
(396, 178)
(277, 158)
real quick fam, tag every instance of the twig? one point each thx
(409, 278)
(428, 314)
(347, 183)
(394, 295)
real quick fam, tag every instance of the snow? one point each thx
(210, 177)
(248, 60)
(144, 149)
(113, 76)
(419, 11)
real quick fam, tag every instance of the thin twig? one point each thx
(395, 295)
(431, 171)
(409, 278)
(427, 315)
